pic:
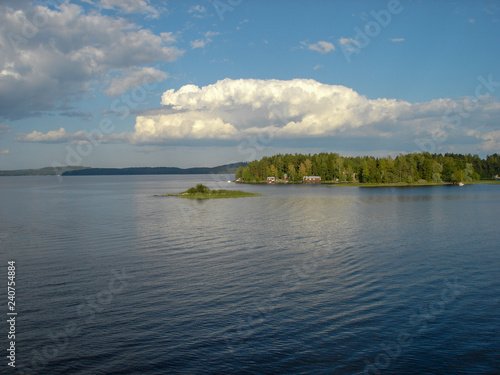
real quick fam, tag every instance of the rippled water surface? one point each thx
(305, 279)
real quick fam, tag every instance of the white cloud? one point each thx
(349, 44)
(198, 11)
(5, 152)
(168, 38)
(241, 23)
(131, 7)
(234, 109)
(201, 43)
(491, 141)
(69, 55)
(161, 128)
(322, 47)
(397, 40)
(4, 129)
(293, 108)
(210, 34)
(53, 136)
(197, 8)
(345, 41)
(135, 78)
(79, 137)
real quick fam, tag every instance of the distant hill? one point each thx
(47, 171)
(88, 171)
(223, 169)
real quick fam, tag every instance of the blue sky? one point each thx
(116, 83)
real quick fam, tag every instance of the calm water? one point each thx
(304, 280)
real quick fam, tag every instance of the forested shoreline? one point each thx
(411, 168)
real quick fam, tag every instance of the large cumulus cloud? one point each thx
(304, 108)
(294, 108)
(193, 125)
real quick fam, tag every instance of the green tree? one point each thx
(427, 169)
(349, 173)
(468, 173)
(273, 171)
(246, 175)
(436, 178)
(302, 171)
(308, 166)
(239, 172)
(291, 171)
(200, 188)
(337, 164)
(449, 173)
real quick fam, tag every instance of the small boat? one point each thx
(461, 184)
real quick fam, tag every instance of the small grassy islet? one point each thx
(201, 191)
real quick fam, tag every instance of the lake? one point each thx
(303, 280)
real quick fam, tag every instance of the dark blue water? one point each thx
(304, 280)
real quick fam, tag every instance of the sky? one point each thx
(131, 83)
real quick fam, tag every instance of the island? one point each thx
(201, 191)
(415, 169)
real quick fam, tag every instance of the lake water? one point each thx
(303, 280)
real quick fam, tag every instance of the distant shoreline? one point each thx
(89, 171)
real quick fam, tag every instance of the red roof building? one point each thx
(311, 179)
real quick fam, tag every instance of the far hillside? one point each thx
(88, 171)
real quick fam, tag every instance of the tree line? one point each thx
(410, 168)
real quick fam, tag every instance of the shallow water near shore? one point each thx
(304, 279)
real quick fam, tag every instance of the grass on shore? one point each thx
(384, 184)
(406, 184)
(214, 194)
(203, 192)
